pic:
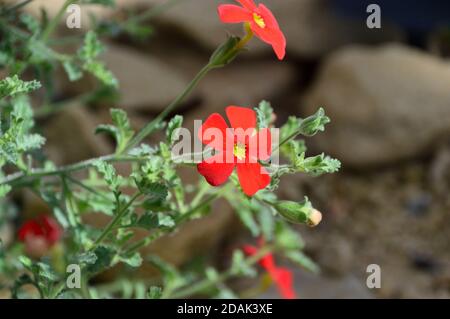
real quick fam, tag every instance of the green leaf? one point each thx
(91, 48)
(317, 165)
(11, 86)
(287, 238)
(165, 220)
(109, 173)
(266, 221)
(87, 258)
(291, 127)
(302, 260)
(104, 257)
(246, 217)
(152, 189)
(121, 131)
(154, 292)
(174, 124)
(148, 221)
(99, 70)
(134, 260)
(73, 71)
(239, 267)
(264, 113)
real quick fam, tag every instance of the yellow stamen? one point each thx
(259, 20)
(239, 151)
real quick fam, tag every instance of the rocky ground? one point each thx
(390, 110)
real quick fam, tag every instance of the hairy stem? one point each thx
(153, 125)
(51, 26)
(117, 218)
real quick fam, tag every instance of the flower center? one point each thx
(259, 20)
(239, 151)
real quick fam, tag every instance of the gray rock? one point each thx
(245, 84)
(145, 83)
(70, 136)
(386, 104)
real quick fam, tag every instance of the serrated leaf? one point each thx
(152, 189)
(91, 48)
(174, 124)
(264, 113)
(109, 173)
(317, 165)
(11, 86)
(121, 130)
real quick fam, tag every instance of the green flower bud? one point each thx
(225, 53)
(315, 123)
(299, 212)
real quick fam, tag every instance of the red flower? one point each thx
(240, 147)
(260, 20)
(281, 276)
(39, 235)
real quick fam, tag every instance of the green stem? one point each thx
(119, 215)
(51, 26)
(153, 125)
(207, 283)
(42, 172)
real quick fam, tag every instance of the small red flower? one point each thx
(39, 235)
(261, 21)
(281, 276)
(241, 147)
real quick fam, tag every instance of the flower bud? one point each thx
(299, 212)
(225, 53)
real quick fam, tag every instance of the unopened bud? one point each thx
(299, 212)
(314, 218)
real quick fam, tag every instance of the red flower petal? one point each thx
(215, 169)
(214, 132)
(51, 228)
(284, 280)
(241, 117)
(30, 228)
(274, 37)
(229, 13)
(248, 4)
(250, 250)
(43, 226)
(268, 17)
(252, 177)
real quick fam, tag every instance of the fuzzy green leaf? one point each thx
(11, 86)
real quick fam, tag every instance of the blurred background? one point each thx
(387, 92)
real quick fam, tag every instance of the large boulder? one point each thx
(386, 104)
